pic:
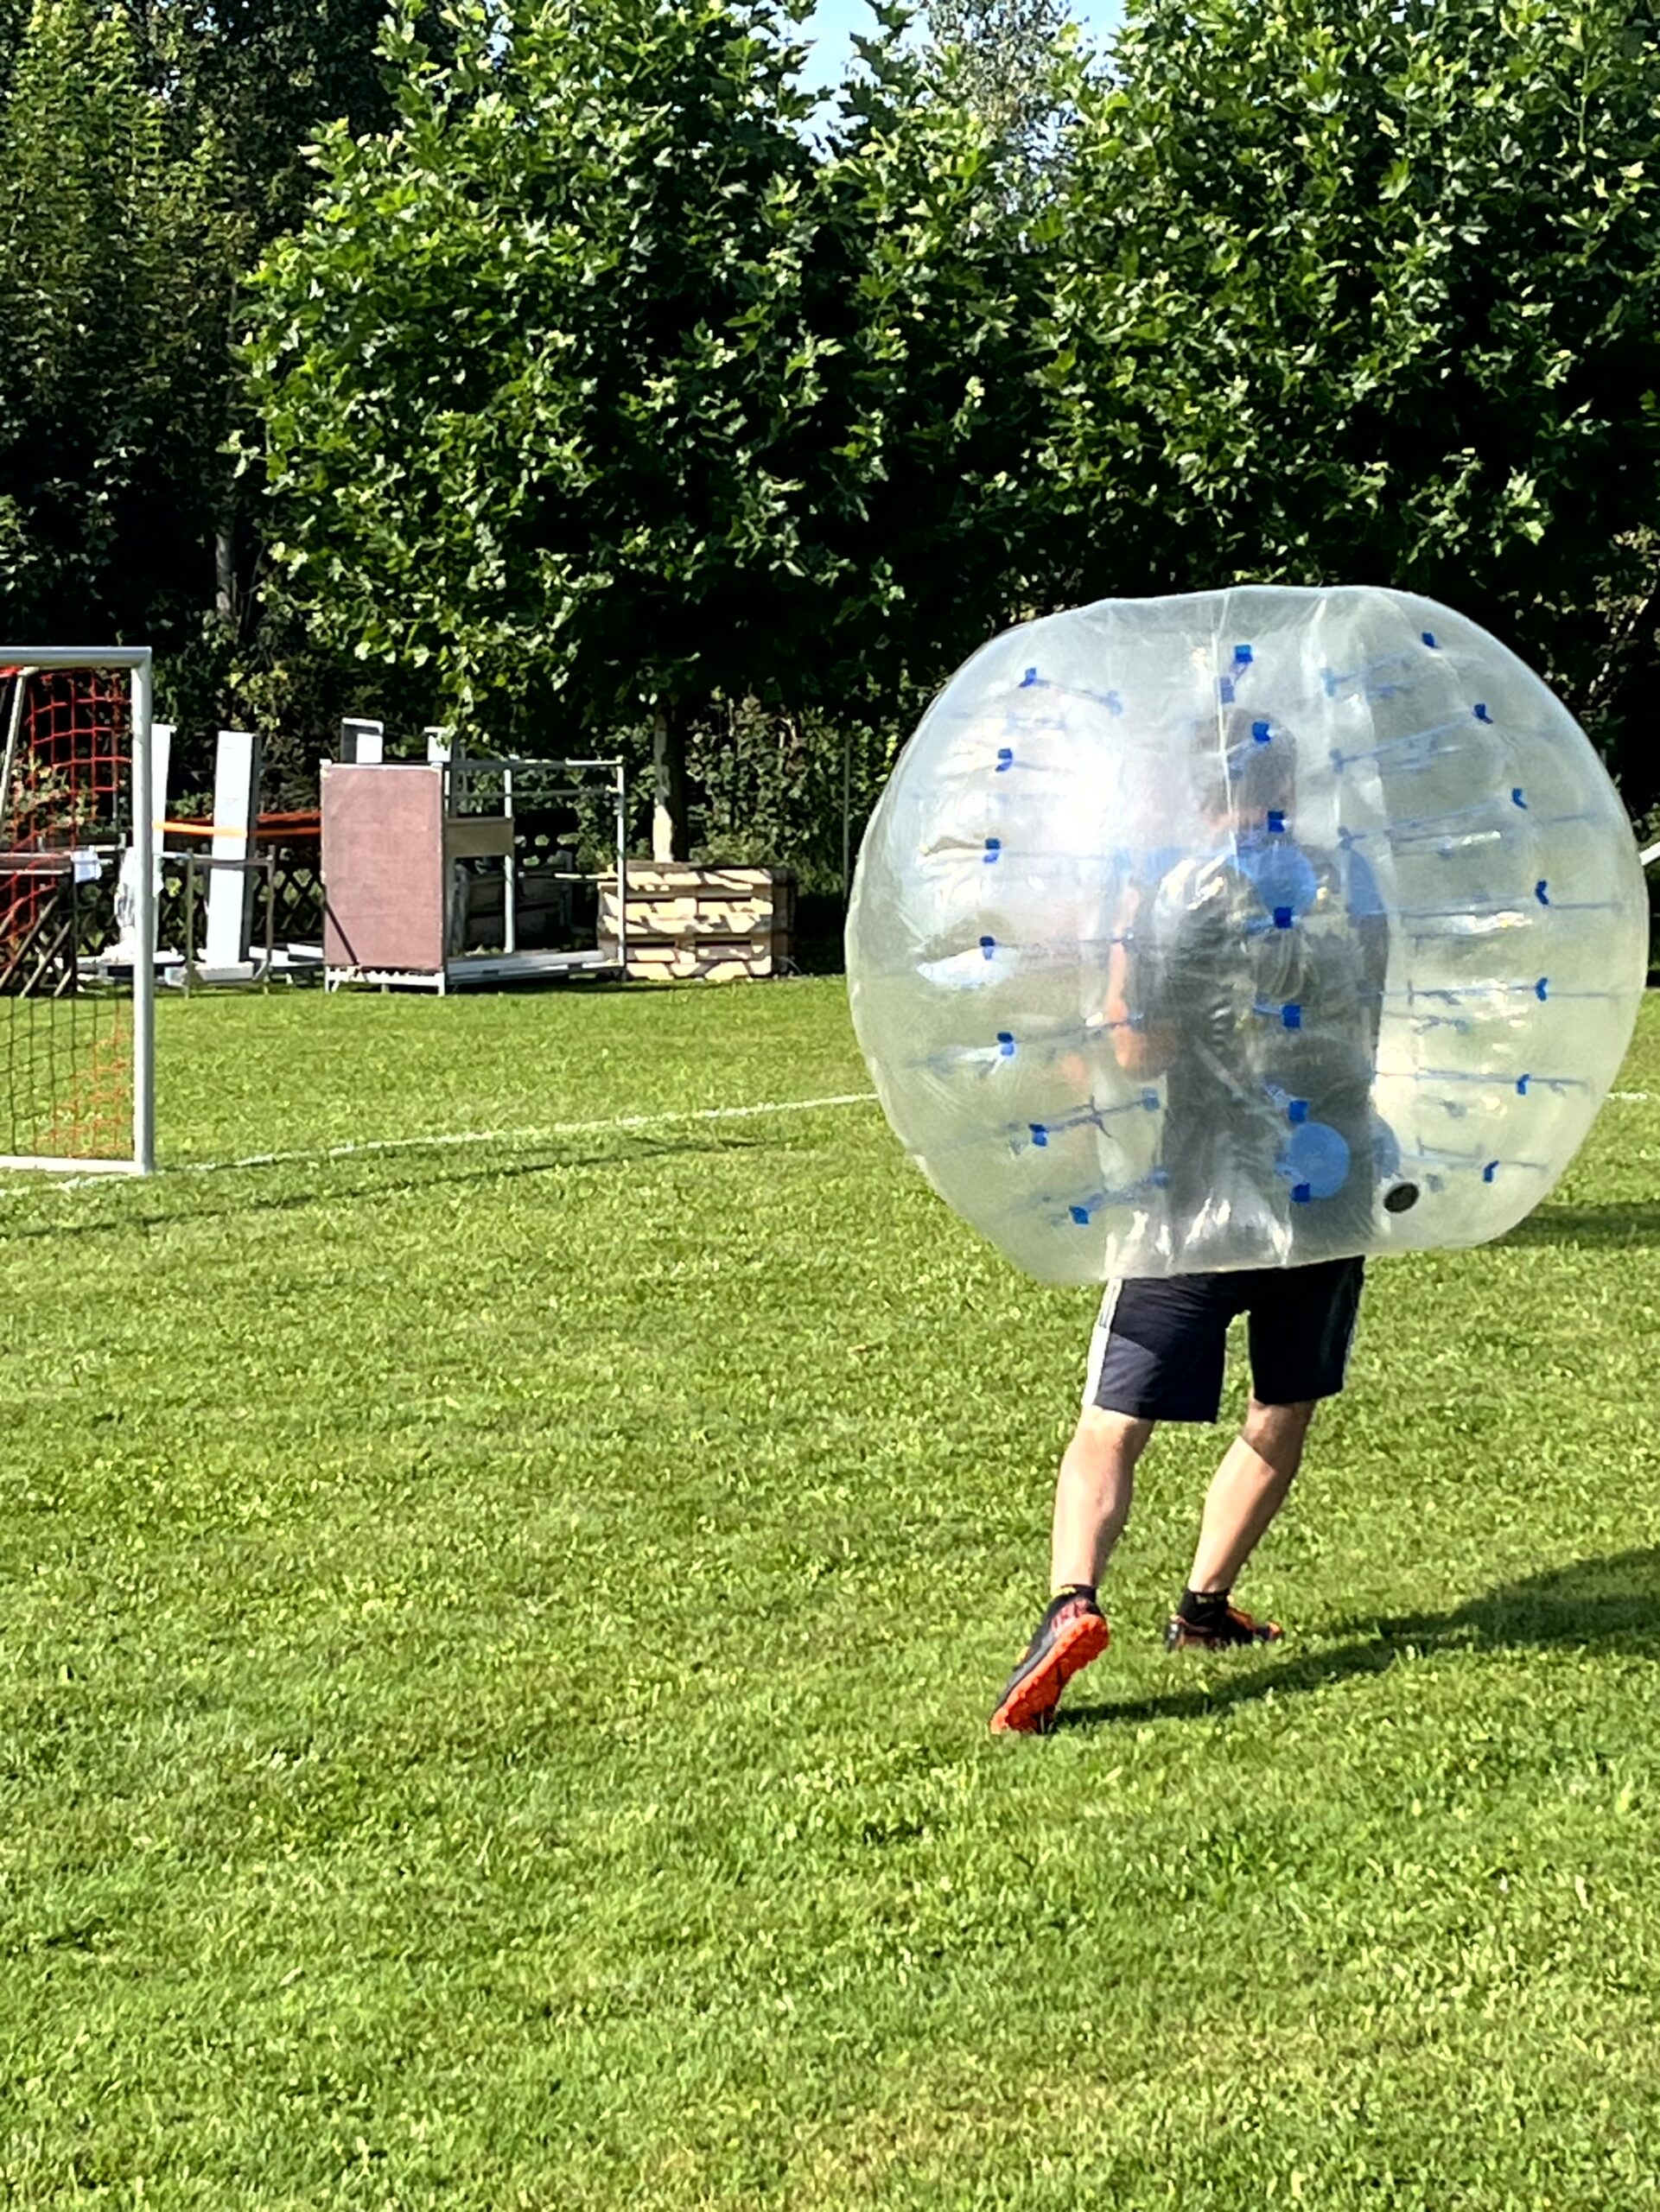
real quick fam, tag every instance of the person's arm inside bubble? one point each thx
(1143, 1043)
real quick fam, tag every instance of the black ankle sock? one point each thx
(1202, 1607)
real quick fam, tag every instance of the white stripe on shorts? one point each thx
(1098, 1337)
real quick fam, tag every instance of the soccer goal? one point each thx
(77, 910)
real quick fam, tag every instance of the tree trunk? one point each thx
(224, 592)
(670, 825)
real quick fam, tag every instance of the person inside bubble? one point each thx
(1250, 976)
(1247, 974)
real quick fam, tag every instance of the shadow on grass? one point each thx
(1596, 1602)
(1636, 1223)
(374, 1189)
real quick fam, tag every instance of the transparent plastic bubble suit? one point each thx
(1242, 930)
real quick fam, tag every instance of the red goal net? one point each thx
(68, 915)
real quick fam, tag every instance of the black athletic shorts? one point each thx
(1158, 1349)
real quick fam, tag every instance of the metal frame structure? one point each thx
(464, 769)
(136, 660)
(479, 825)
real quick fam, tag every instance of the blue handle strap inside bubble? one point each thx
(1082, 1211)
(1092, 1116)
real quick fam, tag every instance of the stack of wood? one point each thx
(720, 923)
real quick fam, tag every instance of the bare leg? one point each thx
(1092, 1493)
(1248, 1490)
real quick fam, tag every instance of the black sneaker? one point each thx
(1226, 1630)
(1073, 1632)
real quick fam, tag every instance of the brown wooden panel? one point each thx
(383, 841)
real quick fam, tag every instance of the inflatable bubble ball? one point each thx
(1244, 929)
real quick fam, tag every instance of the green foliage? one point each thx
(1370, 298)
(535, 376)
(499, 1635)
(936, 287)
(265, 76)
(1002, 56)
(14, 18)
(116, 272)
(142, 159)
(592, 386)
(282, 682)
(773, 786)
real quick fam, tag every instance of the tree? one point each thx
(144, 158)
(264, 76)
(592, 386)
(935, 285)
(257, 79)
(532, 373)
(1000, 56)
(114, 269)
(1369, 296)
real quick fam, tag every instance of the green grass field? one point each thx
(497, 1639)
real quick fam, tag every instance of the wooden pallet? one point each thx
(719, 924)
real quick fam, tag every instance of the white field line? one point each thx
(440, 1140)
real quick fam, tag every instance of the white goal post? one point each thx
(78, 896)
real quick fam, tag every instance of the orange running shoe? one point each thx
(1072, 1632)
(1227, 1630)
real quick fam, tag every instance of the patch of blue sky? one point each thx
(835, 23)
